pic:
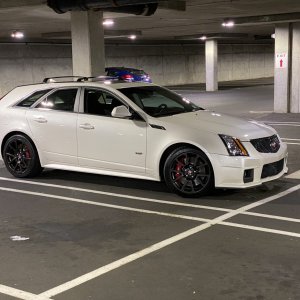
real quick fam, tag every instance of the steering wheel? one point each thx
(161, 107)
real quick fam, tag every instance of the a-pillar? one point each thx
(282, 68)
(87, 43)
(295, 80)
(211, 65)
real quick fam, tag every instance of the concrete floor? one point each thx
(98, 237)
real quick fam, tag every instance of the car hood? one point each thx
(220, 123)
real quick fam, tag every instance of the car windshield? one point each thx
(159, 102)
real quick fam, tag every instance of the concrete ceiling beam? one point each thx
(265, 19)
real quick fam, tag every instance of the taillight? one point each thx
(127, 77)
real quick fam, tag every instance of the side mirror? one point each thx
(121, 112)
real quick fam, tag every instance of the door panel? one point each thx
(53, 124)
(111, 143)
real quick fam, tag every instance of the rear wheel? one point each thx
(188, 172)
(20, 157)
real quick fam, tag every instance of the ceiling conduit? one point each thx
(136, 7)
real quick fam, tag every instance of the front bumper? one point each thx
(230, 171)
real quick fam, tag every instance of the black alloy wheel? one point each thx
(20, 157)
(188, 172)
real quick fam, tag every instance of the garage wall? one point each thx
(169, 65)
(25, 64)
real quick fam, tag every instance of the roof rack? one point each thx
(98, 79)
(81, 79)
(54, 79)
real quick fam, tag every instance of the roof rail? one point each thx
(98, 79)
(54, 79)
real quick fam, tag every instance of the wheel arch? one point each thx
(173, 147)
(12, 133)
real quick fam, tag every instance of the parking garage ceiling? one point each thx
(201, 17)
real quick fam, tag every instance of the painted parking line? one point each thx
(16, 293)
(275, 217)
(209, 223)
(114, 194)
(282, 123)
(120, 207)
(291, 141)
(158, 246)
(261, 111)
(295, 175)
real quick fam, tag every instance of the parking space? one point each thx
(74, 236)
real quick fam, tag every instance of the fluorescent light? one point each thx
(108, 22)
(132, 37)
(17, 34)
(203, 38)
(228, 24)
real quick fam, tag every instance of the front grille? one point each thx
(267, 145)
(272, 169)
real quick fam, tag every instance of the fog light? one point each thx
(248, 175)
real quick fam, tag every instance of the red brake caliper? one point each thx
(178, 168)
(27, 153)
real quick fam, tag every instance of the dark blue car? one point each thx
(128, 74)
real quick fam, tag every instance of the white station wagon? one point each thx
(134, 130)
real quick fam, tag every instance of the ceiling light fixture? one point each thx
(228, 24)
(108, 22)
(132, 37)
(273, 36)
(17, 34)
(203, 38)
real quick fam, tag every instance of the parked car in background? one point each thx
(128, 74)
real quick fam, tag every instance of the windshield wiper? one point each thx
(198, 108)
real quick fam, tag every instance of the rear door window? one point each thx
(33, 98)
(61, 100)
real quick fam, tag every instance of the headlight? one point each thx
(233, 145)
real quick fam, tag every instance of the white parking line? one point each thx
(82, 201)
(20, 294)
(261, 111)
(284, 124)
(148, 200)
(295, 175)
(115, 194)
(130, 258)
(286, 139)
(273, 217)
(158, 246)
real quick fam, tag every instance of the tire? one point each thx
(20, 157)
(188, 172)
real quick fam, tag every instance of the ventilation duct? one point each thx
(136, 7)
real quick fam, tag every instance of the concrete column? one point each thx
(211, 60)
(282, 68)
(87, 43)
(295, 81)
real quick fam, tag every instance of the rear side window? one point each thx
(63, 100)
(29, 101)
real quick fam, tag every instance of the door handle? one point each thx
(86, 126)
(40, 120)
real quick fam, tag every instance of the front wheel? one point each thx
(188, 172)
(20, 157)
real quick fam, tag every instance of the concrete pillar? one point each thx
(87, 43)
(282, 68)
(295, 81)
(211, 61)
